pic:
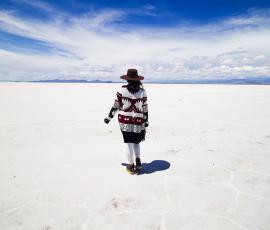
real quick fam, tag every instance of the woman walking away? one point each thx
(131, 101)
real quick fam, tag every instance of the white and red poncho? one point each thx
(132, 114)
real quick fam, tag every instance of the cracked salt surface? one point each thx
(61, 165)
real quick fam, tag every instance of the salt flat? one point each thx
(207, 159)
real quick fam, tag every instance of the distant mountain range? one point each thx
(257, 81)
(71, 81)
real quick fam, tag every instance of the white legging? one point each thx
(132, 148)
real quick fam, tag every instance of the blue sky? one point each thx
(163, 39)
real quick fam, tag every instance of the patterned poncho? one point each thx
(133, 110)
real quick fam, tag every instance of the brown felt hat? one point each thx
(132, 75)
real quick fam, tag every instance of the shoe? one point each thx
(138, 164)
(131, 168)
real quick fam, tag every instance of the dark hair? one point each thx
(133, 86)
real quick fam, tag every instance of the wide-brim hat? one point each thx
(132, 75)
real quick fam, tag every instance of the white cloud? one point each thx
(254, 17)
(101, 45)
(149, 7)
(37, 4)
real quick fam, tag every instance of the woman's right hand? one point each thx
(106, 120)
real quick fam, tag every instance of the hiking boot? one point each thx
(138, 164)
(131, 168)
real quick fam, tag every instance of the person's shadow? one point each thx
(154, 166)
